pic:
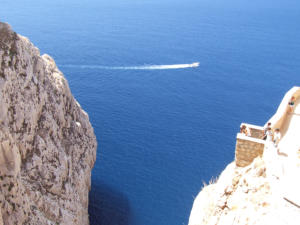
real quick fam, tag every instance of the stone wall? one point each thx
(247, 149)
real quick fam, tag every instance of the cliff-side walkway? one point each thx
(290, 142)
(286, 162)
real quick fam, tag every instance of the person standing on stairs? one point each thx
(269, 134)
(291, 104)
(277, 137)
(266, 127)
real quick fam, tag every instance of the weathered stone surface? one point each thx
(47, 145)
(246, 195)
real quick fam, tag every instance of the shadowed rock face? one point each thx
(47, 145)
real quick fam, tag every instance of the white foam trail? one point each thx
(146, 67)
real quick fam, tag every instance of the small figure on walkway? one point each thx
(277, 137)
(269, 134)
(245, 130)
(291, 104)
(248, 131)
(266, 128)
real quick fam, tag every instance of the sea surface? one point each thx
(163, 128)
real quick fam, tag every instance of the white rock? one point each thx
(255, 200)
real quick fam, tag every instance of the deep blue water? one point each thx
(161, 133)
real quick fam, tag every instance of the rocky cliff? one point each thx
(262, 193)
(261, 186)
(47, 145)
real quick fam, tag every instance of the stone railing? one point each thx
(247, 149)
(256, 131)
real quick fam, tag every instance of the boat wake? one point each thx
(146, 67)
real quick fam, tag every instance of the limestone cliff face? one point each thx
(47, 145)
(262, 186)
(256, 194)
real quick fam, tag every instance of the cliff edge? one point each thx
(261, 186)
(47, 144)
(249, 195)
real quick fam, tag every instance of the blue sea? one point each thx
(163, 132)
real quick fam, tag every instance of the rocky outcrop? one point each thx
(261, 187)
(256, 194)
(47, 145)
